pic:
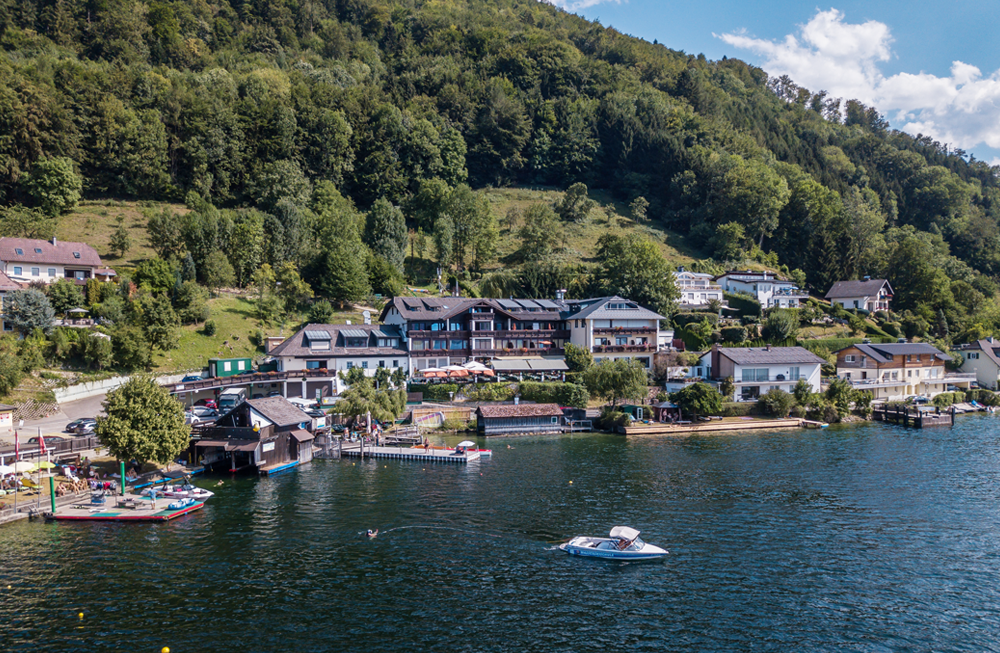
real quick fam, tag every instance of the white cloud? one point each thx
(962, 109)
(577, 5)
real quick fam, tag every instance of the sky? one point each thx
(931, 67)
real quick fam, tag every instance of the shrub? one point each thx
(610, 420)
(776, 402)
(209, 328)
(738, 409)
(564, 394)
(491, 392)
(946, 399)
(734, 334)
(683, 319)
(985, 397)
(435, 392)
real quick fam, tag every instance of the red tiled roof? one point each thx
(7, 284)
(60, 253)
(520, 410)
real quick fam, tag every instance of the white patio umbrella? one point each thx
(466, 443)
(23, 467)
(6, 469)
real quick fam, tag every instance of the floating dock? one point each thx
(714, 426)
(918, 418)
(127, 508)
(430, 455)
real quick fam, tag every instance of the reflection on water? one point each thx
(857, 538)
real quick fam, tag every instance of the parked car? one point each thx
(190, 379)
(72, 426)
(274, 393)
(87, 428)
(207, 403)
(205, 414)
(313, 412)
(257, 395)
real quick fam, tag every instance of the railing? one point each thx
(623, 330)
(959, 376)
(776, 379)
(244, 379)
(608, 349)
(55, 446)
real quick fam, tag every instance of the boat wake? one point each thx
(436, 528)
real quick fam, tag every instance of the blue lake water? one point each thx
(860, 538)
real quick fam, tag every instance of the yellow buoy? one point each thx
(80, 615)
(571, 482)
(165, 649)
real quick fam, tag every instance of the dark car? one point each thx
(87, 428)
(190, 379)
(77, 423)
(274, 393)
(207, 403)
(257, 395)
(312, 412)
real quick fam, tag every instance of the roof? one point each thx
(753, 275)
(296, 346)
(317, 334)
(520, 410)
(596, 309)
(7, 407)
(769, 355)
(62, 253)
(279, 411)
(302, 435)
(529, 364)
(867, 288)
(442, 308)
(988, 347)
(7, 284)
(884, 353)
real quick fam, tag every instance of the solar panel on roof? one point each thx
(509, 304)
(527, 303)
(317, 335)
(547, 303)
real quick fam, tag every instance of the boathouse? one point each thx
(267, 435)
(510, 419)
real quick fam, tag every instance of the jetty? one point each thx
(429, 455)
(914, 417)
(122, 508)
(713, 426)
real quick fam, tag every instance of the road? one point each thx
(55, 423)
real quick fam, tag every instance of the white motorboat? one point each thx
(624, 543)
(179, 491)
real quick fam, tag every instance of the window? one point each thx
(439, 344)
(909, 358)
(20, 252)
(52, 272)
(241, 365)
(755, 374)
(319, 344)
(227, 366)
(794, 374)
(38, 250)
(76, 254)
(455, 326)
(35, 272)
(17, 269)
(381, 363)
(855, 303)
(395, 363)
(315, 365)
(849, 358)
(419, 345)
(80, 274)
(350, 365)
(364, 365)
(457, 344)
(555, 420)
(621, 340)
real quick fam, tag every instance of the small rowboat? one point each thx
(623, 544)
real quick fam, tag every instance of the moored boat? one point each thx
(179, 491)
(624, 543)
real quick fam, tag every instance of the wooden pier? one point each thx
(714, 426)
(914, 417)
(127, 508)
(432, 455)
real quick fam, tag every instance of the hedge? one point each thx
(436, 391)
(564, 394)
(683, 319)
(738, 409)
(491, 392)
(745, 305)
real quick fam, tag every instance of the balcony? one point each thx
(778, 378)
(516, 353)
(621, 331)
(624, 349)
(529, 334)
(438, 335)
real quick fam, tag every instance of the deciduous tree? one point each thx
(142, 421)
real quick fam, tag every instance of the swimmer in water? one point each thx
(372, 533)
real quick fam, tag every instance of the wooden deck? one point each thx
(128, 508)
(915, 418)
(713, 426)
(434, 455)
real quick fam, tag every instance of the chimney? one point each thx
(768, 347)
(868, 278)
(54, 242)
(560, 294)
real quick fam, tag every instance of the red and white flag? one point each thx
(41, 443)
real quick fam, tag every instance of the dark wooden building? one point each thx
(509, 419)
(267, 435)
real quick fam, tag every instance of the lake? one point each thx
(862, 538)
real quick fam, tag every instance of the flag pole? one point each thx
(17, 454)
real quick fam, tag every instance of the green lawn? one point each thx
(234, 321)
(94, 222)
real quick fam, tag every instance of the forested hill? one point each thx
(273, 104)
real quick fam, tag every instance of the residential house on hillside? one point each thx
(868, 294)
(895, 371)
(522, 334)
(982, 358)
(335, 348)
(755, 370)
(25, 260)
(6, 286)
(265, 435)
(769, 289)
(697, 289)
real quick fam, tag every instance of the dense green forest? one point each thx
(338, 136)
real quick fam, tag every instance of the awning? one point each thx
(548, 365)
(242, 445)
(211, 443)
(529, 365)
(302, 435)
(510, 365)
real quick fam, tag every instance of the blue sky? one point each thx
(930, 67)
